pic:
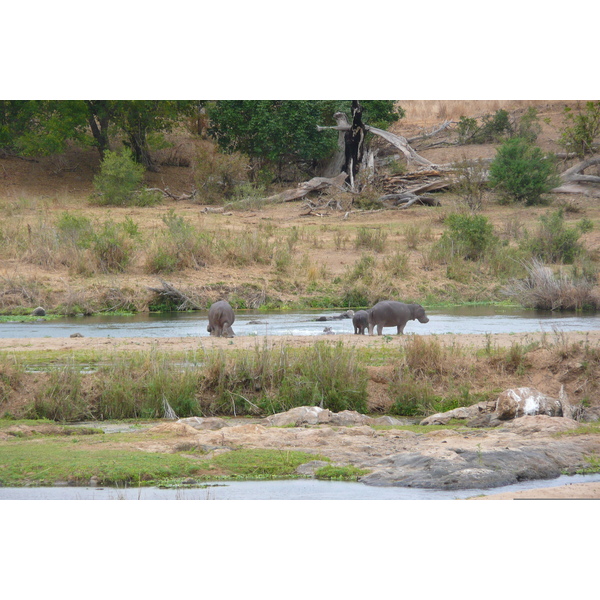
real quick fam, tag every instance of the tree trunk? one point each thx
(137, 143)
(354, 144)
(99, 120)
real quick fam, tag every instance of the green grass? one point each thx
(263, 464)
(25, 461)
(340, 473)
(592, 467)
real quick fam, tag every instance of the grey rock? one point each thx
(470, 470)
(204, 422)
(39, 312)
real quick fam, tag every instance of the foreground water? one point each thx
(296, 489)
(466, 320)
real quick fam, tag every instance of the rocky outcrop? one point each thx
(464, 412)
(314, 415)
(204, 422)
(511, 404)
(518, 402)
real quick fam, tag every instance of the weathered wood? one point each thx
(574, 179)
(167, 290)
(305, 188)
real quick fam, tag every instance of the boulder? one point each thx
(204, 423)
(39, 312)
(518, 402)
(298, 416)
(314, 415)
(463, 412)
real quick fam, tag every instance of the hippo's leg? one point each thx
(379, 329)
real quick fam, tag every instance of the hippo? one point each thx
(345, 315)
(360, 320)
(390, 313)
(220, 319)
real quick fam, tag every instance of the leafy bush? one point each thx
(581, 129)
(411, 397)
(469, 236)
(119, 178)
(529, 126)
(179, 246)
(521, 172)
(75, 230)
(112, 247)
(493, 128)
(554, 241)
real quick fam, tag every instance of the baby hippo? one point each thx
(220, 319)
(390, 313)
(360, 320)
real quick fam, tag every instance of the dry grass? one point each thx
(434, 111)
(545, 290)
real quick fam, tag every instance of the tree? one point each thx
(43, 127)
(283, 132)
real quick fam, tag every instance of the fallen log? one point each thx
(168, 291)
(313, 185)
(575, 181)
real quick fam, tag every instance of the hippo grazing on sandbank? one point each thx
(360, 320)
(390, 313)
(220, 319)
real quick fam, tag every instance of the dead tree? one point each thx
(575, 181)
(354, 140)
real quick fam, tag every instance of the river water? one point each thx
(295, 489)
(467, 320)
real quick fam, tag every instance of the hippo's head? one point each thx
(227, 331)
(420, 314)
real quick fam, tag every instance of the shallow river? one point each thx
(297, 489)
(467, 320)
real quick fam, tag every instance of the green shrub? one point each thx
(179, 246)
(581, 129)
(521, 172)
(411, 397)
(493, 128)
(529, 127)
(469, 236)
(112, 247)
(554, 242)
(119, 178)
(75, 230)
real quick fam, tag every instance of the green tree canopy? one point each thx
(43, 127)
(282, 131)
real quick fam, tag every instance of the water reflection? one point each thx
(297, 489)
(472, 319)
